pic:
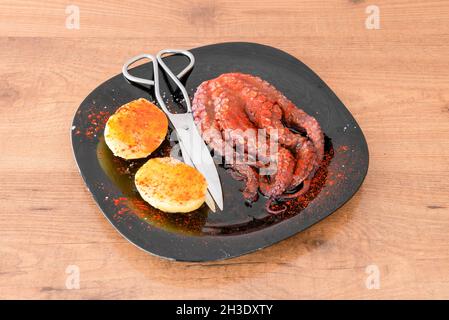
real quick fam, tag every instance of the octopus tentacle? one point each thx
(303, 190)
(293, 116)
(237, 128)
(305, 163)
(267, 114)
(272, 211)
(280, 181)
(297, 118)
(251, 178)
(232, 119)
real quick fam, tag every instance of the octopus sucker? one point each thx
(230, 112)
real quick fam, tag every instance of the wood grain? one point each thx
(394, 80)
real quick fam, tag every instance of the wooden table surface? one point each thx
(394, 80)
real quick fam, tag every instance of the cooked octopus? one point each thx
(231, 109)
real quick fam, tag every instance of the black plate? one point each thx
(240, 229)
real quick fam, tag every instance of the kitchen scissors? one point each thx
(194, 151)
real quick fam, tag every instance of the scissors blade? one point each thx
(199, 153)
(209, 200)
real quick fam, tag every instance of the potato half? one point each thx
(170, 185)
(136, 129)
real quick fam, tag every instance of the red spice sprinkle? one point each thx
(97, 122)
(343, 148)
(120, 201)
